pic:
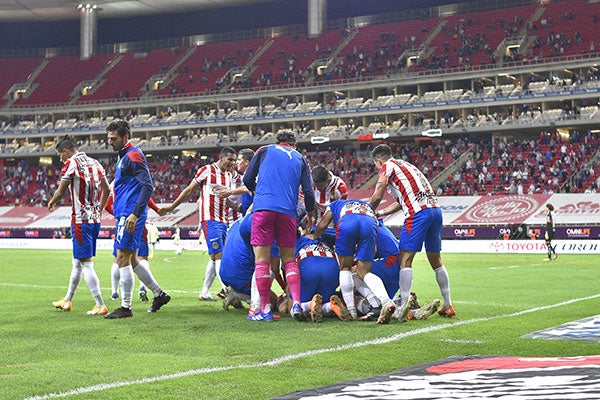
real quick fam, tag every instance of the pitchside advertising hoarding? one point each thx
(499, 223)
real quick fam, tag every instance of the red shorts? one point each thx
(268, 226)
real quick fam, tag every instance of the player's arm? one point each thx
(152, 204)
(142, 175)
(392, 208)
(233, 206)
(379, 191)
(58, 195)
(183, 196)
(232, 192)
(105, 187)
(252, 169)
(323, 224)
(307, 188)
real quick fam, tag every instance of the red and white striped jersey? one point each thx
(336, 190)
(407, 184)
(211, 178)
(84, 174)
(236, 182)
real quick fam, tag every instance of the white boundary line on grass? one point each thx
(280, 360)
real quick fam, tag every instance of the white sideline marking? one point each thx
(280, 360)
(106, 289)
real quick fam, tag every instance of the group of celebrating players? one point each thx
(262, 214)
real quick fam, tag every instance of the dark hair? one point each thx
(286, 137)
(382, 150)
(246, 154)
(226, 150)
(320, 174)
(121, 126)
(67, 142)
(550, 207)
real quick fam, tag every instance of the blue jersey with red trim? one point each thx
(133, 185)
(275, 175)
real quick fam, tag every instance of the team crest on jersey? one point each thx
(215, 245)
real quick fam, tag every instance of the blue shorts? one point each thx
(318, 275)
(356, 232)
(215, 233)
(84, 239)
(388, 270)
(424, 226)
(126, 240)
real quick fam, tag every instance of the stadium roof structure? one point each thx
(57, 10)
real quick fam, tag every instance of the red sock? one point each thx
(262, 274)
(292, 276)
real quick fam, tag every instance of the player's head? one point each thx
(321, 177)
(227, 157)
(288, 137)
(381, 153)
(118, 133)
(66, 147)
(243, 159)
(549, 207)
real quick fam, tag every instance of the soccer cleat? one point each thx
(221, 294)
(372, 315)
(229, 298)
(120, 312)
(205, 297)
(546, 259)
(143, 294)
(316, 308)
(296, 312)
(98, 310)
(424, 312)
(237, 303)
(62, 305)
(261, 316)
(339, 309)
(401, 313)
(386, 312)
(114, 296)
(159, 301)
(447, 311)
(554, 256)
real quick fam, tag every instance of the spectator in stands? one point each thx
(423, 224)
(89, 193)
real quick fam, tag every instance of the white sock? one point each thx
(217, 269)
(406, 278)
(347, 288)
(92, 281)
(209, 276)
(363, 306)
(327, 309)
(142, 270)
(127, 284)
(361, 287)
(305, 307)
(115, 275)
(441, 276)
(74, 279)
(376, 285)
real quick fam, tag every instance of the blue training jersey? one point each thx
(275, 175)
(133, 185)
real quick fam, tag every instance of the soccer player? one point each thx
(423, 224)
(275, 175)
(356, 231)
(549, 235)
(89, 193)
(328, 188)
(238, 194)
(132, 191)
(140, 265)
(213, 211)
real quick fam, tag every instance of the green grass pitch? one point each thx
(195, 350)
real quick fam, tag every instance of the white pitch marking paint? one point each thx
(281, 360)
